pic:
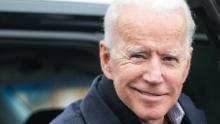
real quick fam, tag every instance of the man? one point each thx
(145, 57)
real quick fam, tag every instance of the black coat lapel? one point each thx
(94, 109)
(123, 113)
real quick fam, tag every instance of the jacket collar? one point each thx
(124, 114)
(94, 109)
(192, 114)
(102, 106)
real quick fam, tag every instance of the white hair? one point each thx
(111, 16)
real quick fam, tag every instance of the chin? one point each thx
(155, 114)
(152, 116)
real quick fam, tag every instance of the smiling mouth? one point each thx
(149, 94)
(153, 94)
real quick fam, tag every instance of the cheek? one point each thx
(174, 78)
(122, 70)
(178, 75)
(175, 81)
(124, 76)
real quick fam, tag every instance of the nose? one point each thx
(153, 72)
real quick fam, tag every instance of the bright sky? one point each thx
(90, 1)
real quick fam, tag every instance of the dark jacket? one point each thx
(102, 106)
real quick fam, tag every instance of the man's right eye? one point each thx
(138, 56)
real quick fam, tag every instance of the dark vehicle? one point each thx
(49, 56)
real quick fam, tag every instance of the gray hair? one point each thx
(111, 16)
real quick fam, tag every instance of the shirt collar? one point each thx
(176, 114)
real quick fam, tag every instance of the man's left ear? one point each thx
(188, 63)
(190, 55)
(191, 51)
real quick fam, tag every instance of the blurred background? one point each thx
(49, 56)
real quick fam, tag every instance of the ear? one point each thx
(105, 60)
(188, 63)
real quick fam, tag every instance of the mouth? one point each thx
(152, 96)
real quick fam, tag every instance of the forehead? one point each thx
(138, 24)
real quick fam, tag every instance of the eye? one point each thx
(138, 56)
(170, 59)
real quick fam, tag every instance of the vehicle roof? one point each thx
(53, 7)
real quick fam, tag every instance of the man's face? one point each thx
(149, 62)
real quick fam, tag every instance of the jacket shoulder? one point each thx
(195, 115)
(71, 115)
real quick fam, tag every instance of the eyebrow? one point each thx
(137, 49)
(175, 53)
(140, 49)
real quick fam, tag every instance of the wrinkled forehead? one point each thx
(136, 23)
(129, 13)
